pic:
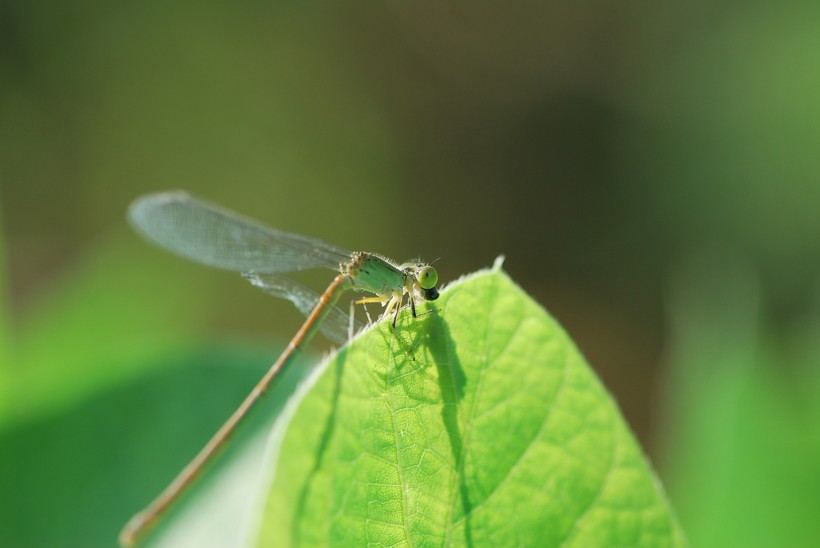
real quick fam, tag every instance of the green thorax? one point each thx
(375, 274)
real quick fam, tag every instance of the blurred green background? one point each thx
(651, 172)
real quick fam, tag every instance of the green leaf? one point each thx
(477, 423)
(216, 510)
(742, 436)
(98, 314)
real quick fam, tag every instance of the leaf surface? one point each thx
(478, 423)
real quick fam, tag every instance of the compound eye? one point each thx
(427, 277)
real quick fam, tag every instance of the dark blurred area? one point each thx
(646, 169)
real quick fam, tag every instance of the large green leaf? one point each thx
(478, 423)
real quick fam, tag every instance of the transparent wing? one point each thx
(336, 323)
(215, 236)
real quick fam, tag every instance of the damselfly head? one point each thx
(424, 279)
(427, 277)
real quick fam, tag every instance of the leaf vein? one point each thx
(511, 472)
